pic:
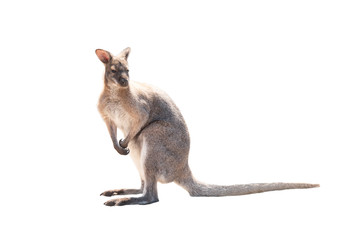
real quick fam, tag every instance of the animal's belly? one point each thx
(137, 155)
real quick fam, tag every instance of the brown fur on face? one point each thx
(116, 67)
(156, 136)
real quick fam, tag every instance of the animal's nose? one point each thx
(123, 82)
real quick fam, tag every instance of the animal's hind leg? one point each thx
(115, 192)
(149, 196)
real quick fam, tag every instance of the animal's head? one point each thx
(116, 67)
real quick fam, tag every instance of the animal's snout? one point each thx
(123, 82)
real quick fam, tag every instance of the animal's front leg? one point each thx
(113, 134)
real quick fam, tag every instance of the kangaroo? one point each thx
(156, 137)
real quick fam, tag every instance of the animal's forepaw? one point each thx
(122, 143)
(123, 149)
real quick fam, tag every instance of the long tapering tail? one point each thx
(197, 188)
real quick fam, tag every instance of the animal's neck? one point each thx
(123, 96)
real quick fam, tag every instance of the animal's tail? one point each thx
(196, 188)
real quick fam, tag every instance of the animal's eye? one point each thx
(113, 70)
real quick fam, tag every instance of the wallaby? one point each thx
(156, 137)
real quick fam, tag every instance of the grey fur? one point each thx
(156, 137)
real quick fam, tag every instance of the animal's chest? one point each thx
(119, 116)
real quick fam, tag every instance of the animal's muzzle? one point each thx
(123, 82)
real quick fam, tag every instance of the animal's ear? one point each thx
(103, 55)
(125, 53)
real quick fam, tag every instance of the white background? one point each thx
(269, 89)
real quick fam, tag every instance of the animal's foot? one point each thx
(112, 193)
(116, 202)
(129, 201)
(115, 192)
